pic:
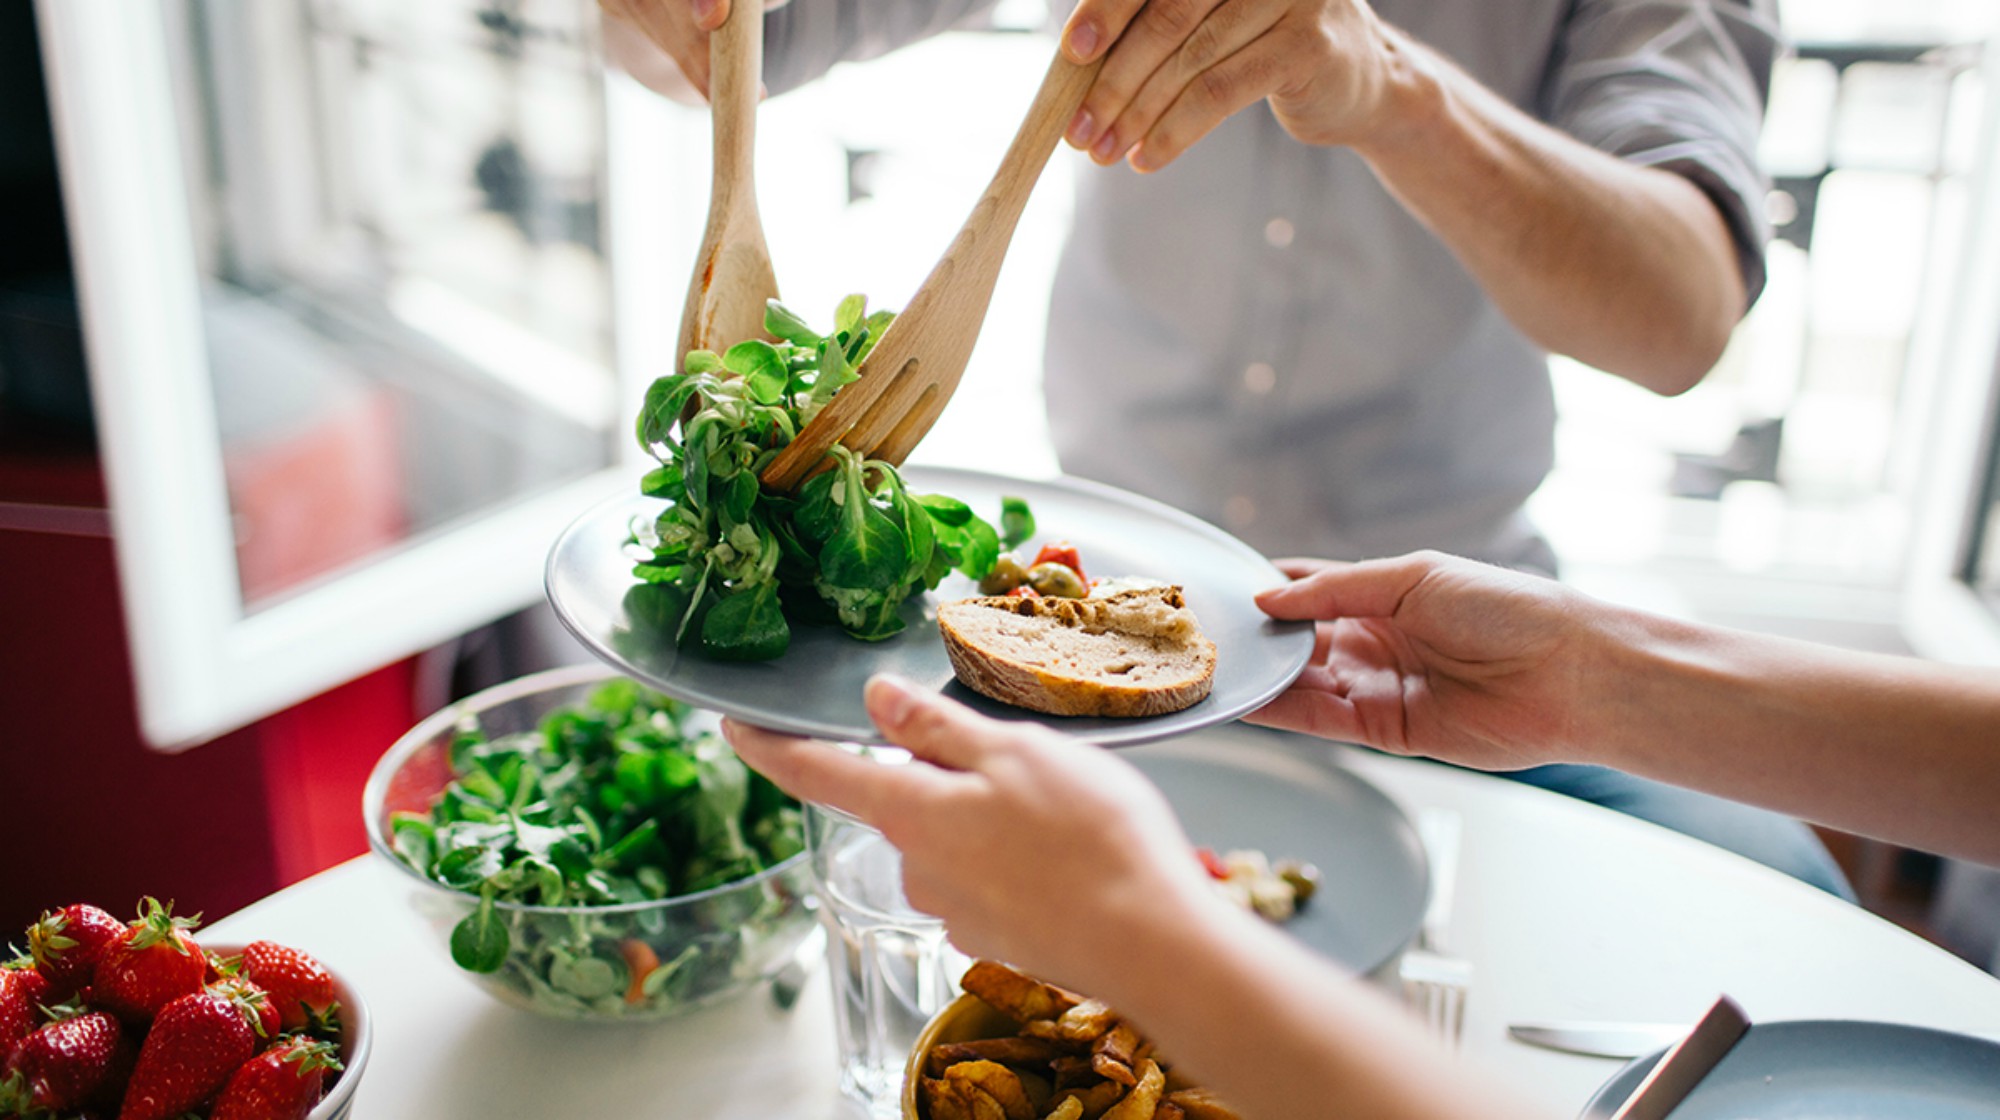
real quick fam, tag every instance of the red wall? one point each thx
(93, 814)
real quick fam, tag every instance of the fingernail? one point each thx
(1140, 160)
(890, 699)
(1106, 147)
(704, 9)
(1082, 42)
(1081, 128)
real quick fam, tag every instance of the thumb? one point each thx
(710, 14)
(932, 727)
(1370, 589)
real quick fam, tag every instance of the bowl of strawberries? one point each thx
(136, 1020)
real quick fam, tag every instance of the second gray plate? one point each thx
(1246, 787)
(815, 688)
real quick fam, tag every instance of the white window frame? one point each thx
(202, 664)
(1943, 616)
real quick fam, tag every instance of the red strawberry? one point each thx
(23, 993)
(67, 1065)
(297, 982)
(196, 1042)
(245, 992)
(67, 942)
(282, 1083)
(150, 964)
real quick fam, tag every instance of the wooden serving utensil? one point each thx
(912, 372)
(732, 272)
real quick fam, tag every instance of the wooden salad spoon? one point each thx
(732, 272)
(912, 372)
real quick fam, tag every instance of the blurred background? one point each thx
(383, 283)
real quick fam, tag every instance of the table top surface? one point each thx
(1565, 911)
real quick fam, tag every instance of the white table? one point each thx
(1566, 911)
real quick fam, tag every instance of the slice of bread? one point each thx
(1136, 653)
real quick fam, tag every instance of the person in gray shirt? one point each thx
(1320, 313)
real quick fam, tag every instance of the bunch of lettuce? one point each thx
(731, 567)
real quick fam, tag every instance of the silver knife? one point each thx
(1598, 1040)
(1669, 1082)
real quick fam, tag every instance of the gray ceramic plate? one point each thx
(815, 688)
(1821, 1068)
(1246, 787)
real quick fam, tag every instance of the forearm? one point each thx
(1627, 268)
(1890, 747)
(1278, 1032)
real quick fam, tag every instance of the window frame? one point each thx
(201, 663)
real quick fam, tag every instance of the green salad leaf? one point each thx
(735, 567)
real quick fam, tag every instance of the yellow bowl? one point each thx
(963, 1020)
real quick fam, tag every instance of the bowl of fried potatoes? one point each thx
(1013, 1046)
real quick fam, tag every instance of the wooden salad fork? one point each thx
(911, 373)
(732, 272)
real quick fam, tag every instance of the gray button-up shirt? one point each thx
(1261, 335)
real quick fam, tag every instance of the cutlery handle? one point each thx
(1687, 1063)
(735, 75)
(1055, 103)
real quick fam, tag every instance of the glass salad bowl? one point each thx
(587, 849)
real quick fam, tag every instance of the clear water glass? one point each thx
(891, 967)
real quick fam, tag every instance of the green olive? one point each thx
(1007, 574)
(1058, 581)
(1303, 877)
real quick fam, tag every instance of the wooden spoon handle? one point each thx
(736, 71)
(1055, 104)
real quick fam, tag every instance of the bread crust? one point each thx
(1179, 665)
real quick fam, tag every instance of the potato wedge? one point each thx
(1072, 1070)
(1014, 1051)
(1096, 1099)
(1069, 1109)
(1113, 1070)
(1144, 1098)
(1201, 1104)
(1016, 993)
(998, 1082)
(942, 1101)
(1086, 1021)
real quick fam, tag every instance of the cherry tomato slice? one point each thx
(1064, 553)
(1212, 863)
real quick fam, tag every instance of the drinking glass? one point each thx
(892, 968)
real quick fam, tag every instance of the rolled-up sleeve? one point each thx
(1679, 85)
(805, 38)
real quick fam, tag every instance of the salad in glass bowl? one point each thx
(589, 849)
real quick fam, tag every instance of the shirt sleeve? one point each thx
(806, 38)
(1679, 85)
